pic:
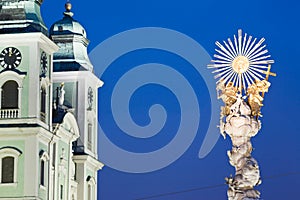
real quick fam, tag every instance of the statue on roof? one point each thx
(61, 94)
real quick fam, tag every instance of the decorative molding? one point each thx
(68, 130)
(89, 160)
(10, 151)
(91, 180)
(11, 75)
(44, 155)
(45, 82)
(24, 38)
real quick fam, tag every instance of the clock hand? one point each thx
(10, 52)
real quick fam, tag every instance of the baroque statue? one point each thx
(243, 69)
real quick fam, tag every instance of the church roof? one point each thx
(67, 25)
(70, 36)
(21, 16)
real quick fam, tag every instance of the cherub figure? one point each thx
(255, 99)
(228, 95)
(263, 86)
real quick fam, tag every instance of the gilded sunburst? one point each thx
(241, 61)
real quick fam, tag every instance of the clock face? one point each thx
(10, 58)
(90, 97)
(44, 63)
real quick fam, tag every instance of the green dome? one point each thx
(67, 25)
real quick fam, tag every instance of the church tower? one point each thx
(73, 72)
(26, 95)
(48, 107)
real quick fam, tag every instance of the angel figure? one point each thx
(263, 86)
(255, 99)
(228, 95)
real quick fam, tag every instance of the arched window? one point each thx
(42, 173)
(11, 84)
(53, 154)
(89, 192)
(90, 136)
(9, 165)
(43, 104)
(43, 167)
(9, 97)
(91, 183)
(7, 169)
(61, 192)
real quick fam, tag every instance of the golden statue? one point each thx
(255, 95)
(228, 95)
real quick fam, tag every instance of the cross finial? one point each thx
(268, 73)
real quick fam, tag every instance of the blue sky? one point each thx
(277, 146)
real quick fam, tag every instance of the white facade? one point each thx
(48, 143)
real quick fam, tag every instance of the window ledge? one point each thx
(8, 184)
(43, 187)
